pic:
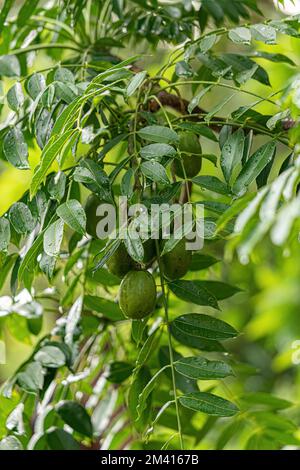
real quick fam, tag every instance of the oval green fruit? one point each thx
(137, 294)
(191, 159)
(177, 262)
(120, 262)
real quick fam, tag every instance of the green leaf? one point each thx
(199, 129)
(66, 92)
(183, 69)
(147, 349)
(264, 33)
(9, 66)
(58, 439)
(274, 57)
(157, 151)
(158, 134)
(4, 234)
(72, 213)
(207, 42)
(50, 152)
(196, 342)
(103, 276)
(200, 262)
(264, 399)
(201, 368)
(21, 218)
(15, 97)
(209, 404)
(119, 371)
(57, 185)
(217, 108)
(5, 9)
(139, 383)
(26, 10)
(53, 238)
(155, 172)
(50, 356)
(143, 397)
(212, 183)
(232, 153)
(32, 378)
(277, 118)
(203, 326)
(189, 291)
(197, 98)
(29, 262)
(183, 383)
(135, 83)
(76, 416)
(220, 290)
(15, 149)
(64, 75)
(92, 175)
(253, 167)
(134, 247)
(105, 307)
(127, 185)
(35, 85)
(240, 35)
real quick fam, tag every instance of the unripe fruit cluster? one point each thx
(137, 295)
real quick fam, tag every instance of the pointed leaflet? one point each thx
(212, 183)
(105, 307)
(253, 167)
(21, 218)
(209, 404)
(72, 213)
(15, 149)
(53, 237)
(15, 97)
(232, 153)
(158, 134)
(135, 83)
(157, 150)
(196, 99)
(50, 152)
(4, 234)
(35, 85)
(155, 172)
(50, 356)
(29, 262)
(201, 368)
(203, 326)
(76, 416)
(191, 292)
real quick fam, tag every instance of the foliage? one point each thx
(103, 124)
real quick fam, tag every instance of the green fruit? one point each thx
(120, 262)
(137, 294)
(92, 219)
(177, 262)
(191, 159)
